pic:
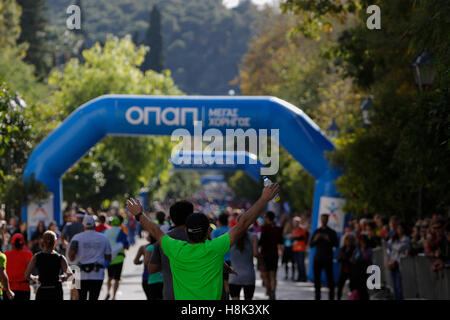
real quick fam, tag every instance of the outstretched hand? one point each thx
(134, 206)
(270, 191)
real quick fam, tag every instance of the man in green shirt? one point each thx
(197, 264)
(4, 282)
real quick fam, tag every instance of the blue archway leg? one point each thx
(324, 188)
(57, 201)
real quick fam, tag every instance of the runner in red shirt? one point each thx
(102, 226)
(18, 259)
(271, 239)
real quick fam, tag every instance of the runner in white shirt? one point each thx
(92, 251)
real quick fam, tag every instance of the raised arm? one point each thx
(136, 209)
(250, 216)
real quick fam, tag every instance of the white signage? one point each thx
(40, 212)
(333, 207)
(168, 116)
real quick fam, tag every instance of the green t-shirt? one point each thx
(157, 276)
(2, 266)
(197, 269)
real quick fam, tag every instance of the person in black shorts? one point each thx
(115, 271)
(271, 238)
(49, 265)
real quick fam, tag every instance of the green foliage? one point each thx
(179, 185)
(398, 166)
(321, 15)
(10, 14)
(154, 59)
(297, 185)
(244, 186)
(20, 75)
(117, 166)
(33, 32)
(291, 67)
(15, 146)
(17, 74)
(203, 41)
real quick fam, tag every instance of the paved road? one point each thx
(131, 289)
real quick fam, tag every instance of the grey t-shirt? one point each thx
(158, 257)
(242, 263)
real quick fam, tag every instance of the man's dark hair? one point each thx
(270, 215)
(179, 212)
(197, 227)
(120, 218)
(223, 219)
(152, 240)
(161, 217)
(102, 218)
(18, 245)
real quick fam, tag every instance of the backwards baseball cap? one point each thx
(88, 221)
(115, 221)
(18, 237)
(197, 225)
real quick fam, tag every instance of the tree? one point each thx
(33, 31)
(15, 146)
(203, 40)
(179, 185)
(15, 72)
(10, 13)
(291, 67)
(244, 186)
(396, 166)
(116, 167)
(154, 59)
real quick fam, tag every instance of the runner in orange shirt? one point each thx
(300, 240)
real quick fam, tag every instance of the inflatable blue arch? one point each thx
(161, 115)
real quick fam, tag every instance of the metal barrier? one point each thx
(418, 279)
(378, 258)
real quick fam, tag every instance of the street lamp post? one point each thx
(333, 129)
(365, 111)
(423, 70)
(424, 74)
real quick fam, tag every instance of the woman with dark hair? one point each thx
(23, 231)
(398, 248)
(137, 260)
(54, 227)
(18, 259)
(288, 255)
(361, 259)
(154, 280)
(241, 255)
(37, 236)
(49, 265)
(343, 257)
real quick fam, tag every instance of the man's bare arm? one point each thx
(135, 207)
(250, 216)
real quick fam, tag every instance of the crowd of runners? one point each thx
(199, 250)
